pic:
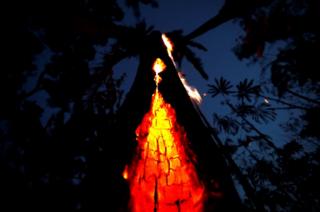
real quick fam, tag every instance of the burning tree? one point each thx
(81, 150)
(175, 162)
(162, 176)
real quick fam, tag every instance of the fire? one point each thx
(162, 176)
(192, 91)
(167, 42)
(169, 45)
(125, 173)
(158, 66)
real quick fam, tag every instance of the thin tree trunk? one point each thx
(210, 24)
(303, 97)
(285, 103)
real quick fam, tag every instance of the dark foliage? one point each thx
(182, 51)
(58, 146)
(58, 149)
(277, 173)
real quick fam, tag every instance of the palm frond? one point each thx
(221, 86)
(246, 90)
(196, 62)
(226, 124)
(197, 45)
(259, 113)
(135, 5)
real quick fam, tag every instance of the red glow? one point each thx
(162, 176)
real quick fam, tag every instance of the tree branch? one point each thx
(262, 135)
(35, 88)
(230, 10)
(302, 97)
(284, 108)
(210, 24)
(284, 103)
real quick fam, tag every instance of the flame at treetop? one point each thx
(192, 91)
(158, 66)
(162, 176)
(169, 45)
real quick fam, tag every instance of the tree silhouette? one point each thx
(58, 124)
(64, 161)
(293, 86)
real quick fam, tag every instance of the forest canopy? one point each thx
(58, 111)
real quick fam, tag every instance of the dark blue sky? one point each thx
(218, 61)
(187, 15)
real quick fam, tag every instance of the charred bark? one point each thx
(211, 164)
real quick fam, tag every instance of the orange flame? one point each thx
(169, 45)
(167, 42)
(125, 173)
(162, 176)
(192, 91)
(158, 67)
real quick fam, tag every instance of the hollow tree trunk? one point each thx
(211, 166)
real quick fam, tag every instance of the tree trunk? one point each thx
(211, 167)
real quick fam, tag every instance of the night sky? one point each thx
(218, 61)
(73, 140)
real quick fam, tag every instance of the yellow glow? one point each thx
(167, 42)
(158, 67)
(162, 176)
(169, 45)
(192, 91)
(125, 173)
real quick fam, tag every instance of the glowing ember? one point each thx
(162, 176)
(192, 92)
(169, 45)
(125, 173)
(158, 67)
(167, 42)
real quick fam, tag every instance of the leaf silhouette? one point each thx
(259, 113)
(197, 45)
(196, 62)
(226, 124)
(246, 90)
(221, 86)
(182, 50)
